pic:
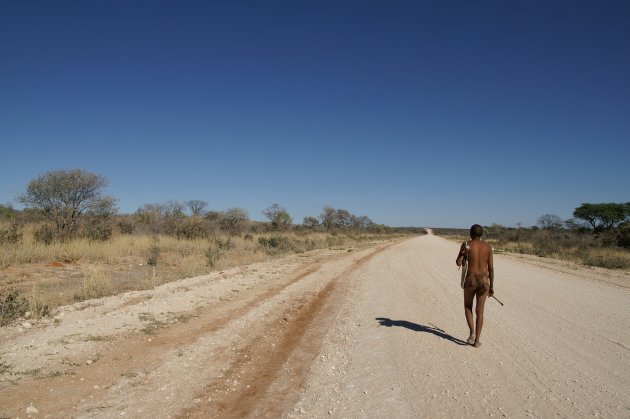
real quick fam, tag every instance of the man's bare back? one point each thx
(479, 280)
(479, 257)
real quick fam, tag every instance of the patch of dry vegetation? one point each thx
(69, 243)
(603, 257)
(46, 276)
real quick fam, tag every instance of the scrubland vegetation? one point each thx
(70, 244)
(598, 235)
(49, 275)
(218, 250)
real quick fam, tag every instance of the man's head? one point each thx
(476, 231)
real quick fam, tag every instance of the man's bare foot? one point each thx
(476, 344)
(471, 338)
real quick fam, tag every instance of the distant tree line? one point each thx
(597, 235)
(608, 221)
(594, 226)
(71, 203)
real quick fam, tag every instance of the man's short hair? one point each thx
(476, 231)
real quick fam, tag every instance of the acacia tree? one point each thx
(152, 216)
(234, 220)
(328, 217)
(362, 223)
(343, 219)
(65, 196)
(197, 207)
(549, 222)
(310, 223)
(279, 217)
(603, 216)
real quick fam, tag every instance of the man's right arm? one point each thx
(461, 255)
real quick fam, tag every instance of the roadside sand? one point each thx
(370, 333)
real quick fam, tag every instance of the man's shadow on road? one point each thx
(419, 328)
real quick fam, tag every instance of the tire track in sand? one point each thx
(279, 357)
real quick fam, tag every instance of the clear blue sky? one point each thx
(413, 113)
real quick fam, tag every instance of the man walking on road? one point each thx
(479, 280)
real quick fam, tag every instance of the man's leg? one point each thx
(469, 295)
(482, 294)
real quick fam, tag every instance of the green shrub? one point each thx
(224, 244)
(606, 239)
(608, 262)
(154, 254)
(191, 228)
(7, 211)
(540, 252)
(623, 236)
(11, 235)
(98, 229)
(12, 306)
(126, 227)
(275, 243)
(213, 254)
(46, 234)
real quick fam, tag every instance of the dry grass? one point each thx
(603, 257)
(97, 284)
(38, 303)
(119, 248)
(606, 258)
(63, 272)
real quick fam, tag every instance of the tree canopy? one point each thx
(279, 217)
(603, 216)
(197, 207)
(6, 211)
(64, 196)
(342, 219)
(549, 222)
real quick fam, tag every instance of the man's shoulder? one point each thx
(484, 245)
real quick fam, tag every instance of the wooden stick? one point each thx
(497, 300)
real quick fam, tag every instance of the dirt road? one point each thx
(371, 333)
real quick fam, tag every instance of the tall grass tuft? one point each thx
(38, 304)
(154, 253)
(213, 254)
(96, 285)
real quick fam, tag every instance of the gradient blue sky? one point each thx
(443, 113)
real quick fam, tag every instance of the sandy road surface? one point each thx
(370, 333)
